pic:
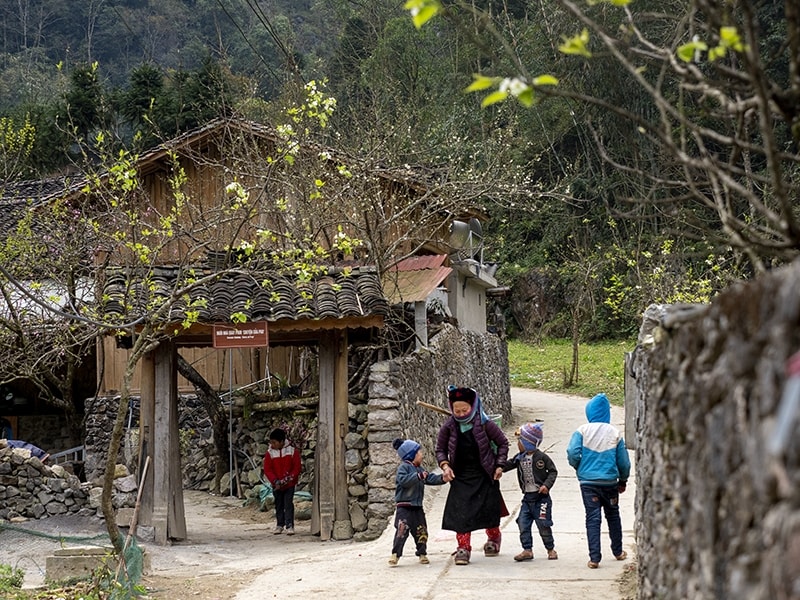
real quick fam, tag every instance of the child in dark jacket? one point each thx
(409, 493)
(282, 468)
(536, 473)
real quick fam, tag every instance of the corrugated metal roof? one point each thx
(414, 279)
(414, 263)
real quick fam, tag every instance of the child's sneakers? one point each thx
(393, 560)
(423, 559)
(524, 555)
(278, 529)
(290, 531)
(552, 554)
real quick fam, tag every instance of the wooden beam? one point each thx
(285, 331)
(176, 520)
(169, 519)
(341, 421)
(324, 455)
(160, 451)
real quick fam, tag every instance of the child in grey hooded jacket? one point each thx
(409, 494)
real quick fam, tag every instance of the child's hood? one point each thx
(598, 409)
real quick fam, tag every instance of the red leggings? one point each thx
(464, 539)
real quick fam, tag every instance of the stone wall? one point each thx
(251, 428)
(718, 509)
(30, 489)
(461, 358)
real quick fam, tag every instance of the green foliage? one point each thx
(16, 145)
(84, 99)
(10, 578)
(729, 40)
(543, 366)
(103, 585)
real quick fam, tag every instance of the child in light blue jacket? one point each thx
(598, 454)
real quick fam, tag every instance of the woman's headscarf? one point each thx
(471, 397)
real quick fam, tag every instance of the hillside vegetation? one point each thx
(596, 203)
(545, 367)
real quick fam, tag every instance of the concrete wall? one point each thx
(461, 358)
(466, 294)
(718, 510)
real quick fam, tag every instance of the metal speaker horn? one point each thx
(459, 234)
(475, 228)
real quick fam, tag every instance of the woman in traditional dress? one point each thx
(471, 450)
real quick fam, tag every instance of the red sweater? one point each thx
(282, 467)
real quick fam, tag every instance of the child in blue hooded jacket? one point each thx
(598, 454)
(409, 494)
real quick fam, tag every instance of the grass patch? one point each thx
(544, 366)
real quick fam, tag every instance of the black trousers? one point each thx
(284, 507)
(410, 520)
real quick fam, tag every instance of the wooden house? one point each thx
(207, 255)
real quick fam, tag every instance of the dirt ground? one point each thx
(223, 552)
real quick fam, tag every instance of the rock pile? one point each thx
(30, 489)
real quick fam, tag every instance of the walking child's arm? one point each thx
(552, 473)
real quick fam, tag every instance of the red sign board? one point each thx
(246, 335)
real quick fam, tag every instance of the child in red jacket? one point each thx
(282, 469)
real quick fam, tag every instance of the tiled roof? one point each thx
(259, 295)
(20, 196)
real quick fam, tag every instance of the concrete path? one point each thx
(349, 570)
(231, 553)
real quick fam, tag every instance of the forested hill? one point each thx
(174, 34)
(605, 195)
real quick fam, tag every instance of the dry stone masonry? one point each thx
(30, 489)
(461, 358)
(718, 515)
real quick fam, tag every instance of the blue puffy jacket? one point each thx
(597, 450)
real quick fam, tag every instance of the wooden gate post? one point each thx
(169, 518)
(147, 435)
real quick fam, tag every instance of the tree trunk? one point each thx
(219, 420)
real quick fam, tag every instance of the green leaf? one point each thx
(425, 15)
(687, 52)
(545, 80)
(526, 98)
(730, 38)
(422, 11)
(494, 98)
(480, 83)
(715, 53)
(576, 44)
